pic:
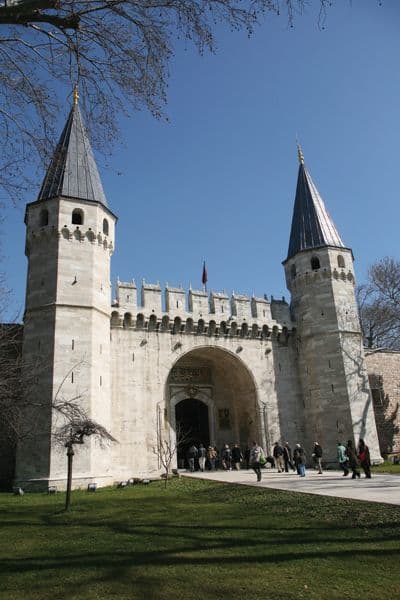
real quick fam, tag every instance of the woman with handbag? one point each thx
(364, 458)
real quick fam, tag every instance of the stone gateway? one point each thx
(226, 369)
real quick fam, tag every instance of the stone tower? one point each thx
(319, 274)
(69, 241)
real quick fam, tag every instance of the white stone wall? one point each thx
(336, 396)
(68, 310)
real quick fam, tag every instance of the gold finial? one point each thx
(300, 154)
(75, 95)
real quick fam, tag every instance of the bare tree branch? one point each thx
(379, 305)
(118, 51)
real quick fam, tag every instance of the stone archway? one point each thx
(221, 381)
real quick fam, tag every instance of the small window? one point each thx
(340, 261)
(315, 263)
(293, 271)
(105, 226)
(44, 217)
(77, 216)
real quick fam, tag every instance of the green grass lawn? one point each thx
(197, 540)
(386, 467)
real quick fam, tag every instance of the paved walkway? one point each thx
(380, 488)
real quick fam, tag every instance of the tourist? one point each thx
(364, 457)
(217, 458)
(256, 454)
(278, 457)
(191, 457)
(247, 457)
(342, 458)
(287, 457)
(226, 457)
(317, 456)
(211, 456)
(353, 461)
(202, 457)
(299, 457)
(237, 457)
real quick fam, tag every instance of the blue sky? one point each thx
(217, 182)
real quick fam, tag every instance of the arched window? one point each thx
(44, 217)
(140, 321)
(315, 263)
(223, 328)
(77, 216)
(254, 331)
(165, 323)
(293, 271)
(212, 328)
(152, 323)
(265, 332)
(105, 226)
(177, 325)
(115, 321)
(340, 261)
(189, 325)
(244, 330)
(200, 326)
(127, 320)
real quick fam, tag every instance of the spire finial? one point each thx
(75, 95)
(300, 154)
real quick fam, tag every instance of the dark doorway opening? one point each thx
(191, 418)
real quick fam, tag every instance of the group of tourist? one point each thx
(350, 456)
(228, 458)
(232, 458)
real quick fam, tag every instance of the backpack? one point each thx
(262, 460)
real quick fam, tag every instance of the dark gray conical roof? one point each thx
(312, 227)
(73, 171)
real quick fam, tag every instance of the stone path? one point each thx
(380, 488)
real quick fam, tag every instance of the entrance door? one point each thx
(191, 418)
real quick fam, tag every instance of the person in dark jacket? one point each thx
(287, 457)
(237, 457)
(278, 457)
(226, 457)
(364, 458)
(299, 457)
(247, 457)
(353, 461)
(317, 456)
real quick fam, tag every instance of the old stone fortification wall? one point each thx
(384, 377)
(198, 312)
(247, 346)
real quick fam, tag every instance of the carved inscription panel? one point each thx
(190, 375)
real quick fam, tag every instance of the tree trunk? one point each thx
(70, 455)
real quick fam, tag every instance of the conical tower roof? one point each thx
(73, 171)
(312, 226)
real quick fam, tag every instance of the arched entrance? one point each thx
(191, 418)
(212, 392)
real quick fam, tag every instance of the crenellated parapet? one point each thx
(70, 234)
(197, 312)
(300, 281)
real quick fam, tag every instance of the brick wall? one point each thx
(384, 377)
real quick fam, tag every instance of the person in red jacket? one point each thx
(364, 458)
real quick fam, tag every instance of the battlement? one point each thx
(197, 311)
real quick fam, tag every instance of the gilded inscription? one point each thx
(190, 375)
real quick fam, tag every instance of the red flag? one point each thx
(204, 277)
